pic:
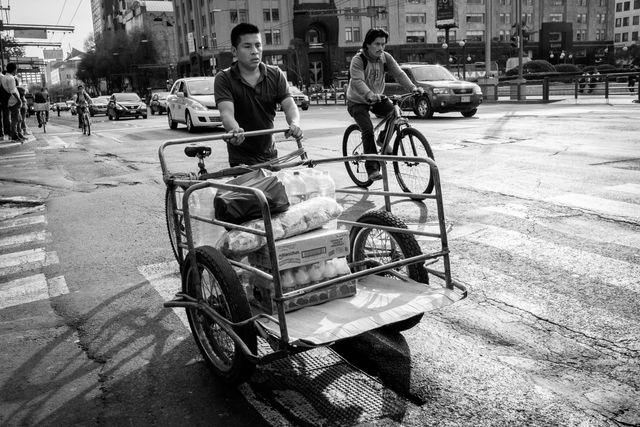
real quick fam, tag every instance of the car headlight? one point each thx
(199, 107)
(441, 91)
(142, 107)
(477, 90)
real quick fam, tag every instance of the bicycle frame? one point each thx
(393, 123)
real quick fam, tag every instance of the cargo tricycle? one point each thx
(386, 280)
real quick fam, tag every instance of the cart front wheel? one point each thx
(220, 289)
(352, 146)
(383, 247)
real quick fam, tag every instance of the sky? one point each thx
(75, 13)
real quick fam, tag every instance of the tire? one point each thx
(144, 116)
(413, 177)
(422, 108)
(109, 116)
(189, 122)
(396, 245)
(470, 113)
(170, 204)
(117, 116)
(172, 123)
(351, 146)
(152, 112)
(223, 292)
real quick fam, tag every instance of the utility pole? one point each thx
(487, 42)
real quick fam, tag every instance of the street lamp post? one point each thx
(463, 44)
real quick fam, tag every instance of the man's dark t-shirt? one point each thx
(255, 109)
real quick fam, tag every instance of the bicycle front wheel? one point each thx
(87, 124)
(413, 177)
(173, 199)
(352, 146)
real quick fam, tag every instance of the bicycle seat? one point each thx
(196, 150)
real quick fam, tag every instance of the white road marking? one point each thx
(22, 239)
(608, 207)
(611, 271)
(13, 212)
(22, 222)
(165, 278)
(629, 187)
(24, 261)
(55, 142)
(30, 289)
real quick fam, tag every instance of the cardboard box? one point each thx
(307, 248)
(263, 292)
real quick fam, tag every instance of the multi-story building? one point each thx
(625, 33)
(313, 40)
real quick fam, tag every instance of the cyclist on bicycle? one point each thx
(82, 100)
(41, 97)
(366, 85)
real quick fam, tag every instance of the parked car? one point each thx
(299, 97)
(443, 93)
(126, 104)
(99, 105)
(158, 103)
(191, 101)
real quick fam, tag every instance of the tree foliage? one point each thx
(115, 55)
(11, 47)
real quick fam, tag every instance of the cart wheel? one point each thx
(222, 291)
(170, 203)
(386, 246)
(352, 146)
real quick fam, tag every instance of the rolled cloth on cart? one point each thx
(300, 218)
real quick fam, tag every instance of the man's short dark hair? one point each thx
(11, 67)
(240, 30)
(373, 34)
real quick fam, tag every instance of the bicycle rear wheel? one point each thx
(352, 146)
(413, 177)
(87, 123)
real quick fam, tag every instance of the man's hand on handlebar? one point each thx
(374, 98)
(294, 131)
(237, 137)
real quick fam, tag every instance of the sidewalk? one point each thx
(7, 145)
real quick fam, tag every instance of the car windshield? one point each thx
(101, 99)
(201, 87)
(127, 97)
(431, 73)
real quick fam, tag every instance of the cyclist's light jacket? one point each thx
(83, 99)
(370, 80)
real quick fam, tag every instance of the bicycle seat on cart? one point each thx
(197, 150)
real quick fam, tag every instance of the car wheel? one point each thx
(172, 124)
(470, 113)
(144, 116)
(305, 107)
(189, 122)
(117, 116)
(92, 114)
(422, 108)
(152, 112)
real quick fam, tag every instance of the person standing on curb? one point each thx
(5, 123)
(9, 84)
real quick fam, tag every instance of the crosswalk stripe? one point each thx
(629, 187)
(24, 261)
(611, 271)
(30, 289)
(14, 157)
(22, 239)
(597, 204)
(17, 211)
(22, 222)
(165, 278)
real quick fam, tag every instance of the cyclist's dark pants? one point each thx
(360, 113)
(79, 112)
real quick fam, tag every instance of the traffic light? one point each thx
(515, 41)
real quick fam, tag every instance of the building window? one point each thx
(528, 18)
(416, 37)
(636, 4)
(212, 18)
(581, 18)
(625, 21)
(634, 36)
(505, 19)
(582, 2)
(636, 20)
(627, 5)
(238, 15)
(351, 13)
(503, 35)
(352, 34)
(618, 22)
(416, 18)
(214, 41)
(616, 38)
(475, 1)
(475, 18)
(505, 2)
(416, 1)
(475, 35)
(557, 2)
(618, 7)
(442, 36)
(556, 17)
(581, 35)
(271, 15)
(625, 37)
(272, 37)
(273, 59)
(203, 21)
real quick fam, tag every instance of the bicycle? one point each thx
(86, 123)
(174, 193)
(41, 114)
(413, 177)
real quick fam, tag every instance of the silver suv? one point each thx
(443, 93)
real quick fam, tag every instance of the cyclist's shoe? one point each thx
(39, 125)
(375, 176)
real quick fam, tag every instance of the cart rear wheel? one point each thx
(221, 290)
(384, 246)
(352, 146)
(170, 204)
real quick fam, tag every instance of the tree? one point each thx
(11, 48)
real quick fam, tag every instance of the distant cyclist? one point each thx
(42, 97)
(82, 100)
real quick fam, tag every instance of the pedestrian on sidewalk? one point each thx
(23, 109)
(9, 84)
(5, 123)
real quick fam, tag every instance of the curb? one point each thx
(8, 146)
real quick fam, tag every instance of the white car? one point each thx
(191, 101)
